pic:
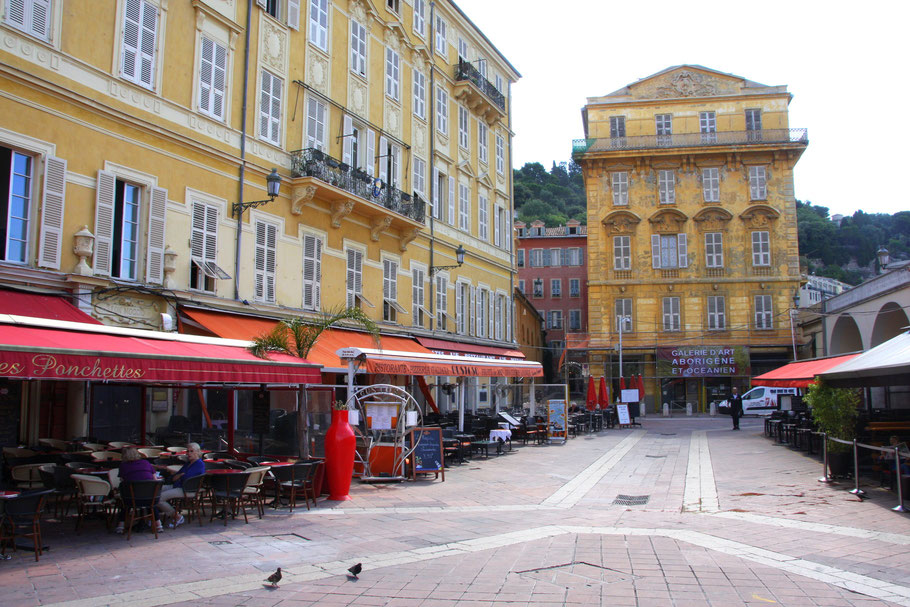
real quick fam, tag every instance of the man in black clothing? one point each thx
(736, 407)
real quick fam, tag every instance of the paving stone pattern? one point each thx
(731, 519)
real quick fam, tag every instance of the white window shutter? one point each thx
(261, 3)
(210, 247)
(655, 250)
(156, 226)
(15, 13)
(104, 222)
(472, 323)
(41, 19)
(682, 250)
(294, 14)
(206, 69)
(219, 81)
(492, 322)
(265, 104)
(148, 43)
(271, 243)
(197, 236)
(719, 248)
(383, 159)
(131, 16)
(452, 200)
(52, 212)
(309, 269)
(396, 156)
(437, 211)
(347, 144)
(371, 153)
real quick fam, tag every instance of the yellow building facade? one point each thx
(139, 125)
(689, 178)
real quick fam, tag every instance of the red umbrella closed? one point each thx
(641, 388)
(603, 399)
(622, 383)
(591, 400)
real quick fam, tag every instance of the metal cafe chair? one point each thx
(227, 491)
(22, 518)
(139, 499)
(93, 495)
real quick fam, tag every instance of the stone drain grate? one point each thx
(631, 500)
(656, 456)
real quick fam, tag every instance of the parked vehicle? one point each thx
(758, 401)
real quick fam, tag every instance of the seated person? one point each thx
(193, 467)
(134, 468)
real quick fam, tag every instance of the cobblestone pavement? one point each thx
(730, 519)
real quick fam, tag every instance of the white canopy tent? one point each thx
(887, 364)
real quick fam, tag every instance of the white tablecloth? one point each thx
(503, 434)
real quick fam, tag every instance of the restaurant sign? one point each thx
(703, 361)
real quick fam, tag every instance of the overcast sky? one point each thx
(844, 63)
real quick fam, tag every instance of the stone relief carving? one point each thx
(392, 40)
(392, 118)
(667, 221)
(273, 45)
(340, 210)
(317, 73)
(688, 84)
(125, 310)
(621, 222)
(358, 11)
(712, 220)
(358, 95)
(759, 217)
(378, 226)
(419, 141)
(407, 237)
(300, 196)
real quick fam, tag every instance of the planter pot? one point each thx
(340, 443)
(840, 463)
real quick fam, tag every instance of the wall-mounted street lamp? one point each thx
(273, 184)
(884, 258)
(459, 257)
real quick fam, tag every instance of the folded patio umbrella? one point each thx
(641, 388)
(591, 400)
(622, 383)
(603, 399)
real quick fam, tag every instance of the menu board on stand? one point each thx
(428, 456)
(556, 420)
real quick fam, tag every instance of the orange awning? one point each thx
(801, 373)
(447, 365)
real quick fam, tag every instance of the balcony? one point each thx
(340, 179)
(478, 93)
(797, 138)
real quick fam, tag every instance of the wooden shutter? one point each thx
(682, 250)
(655, 251)
(264, 104)
(472, 324)
(157, 222)
(15, 13)
(396, 156)
(437, 210)
(312, 271)
(452, 200)
(52, 212)
(383, 159)
(347, 144)
(197, 236)
(492, 322)
(104, 222)
(459, 312)
(371, 152)
(132, 14)
(206, 69)
(147, 43)
(40, 25)
(294, 14)
(219, 79)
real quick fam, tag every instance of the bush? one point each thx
(834, 411)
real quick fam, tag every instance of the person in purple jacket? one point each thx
(193, 467)
(134, 468)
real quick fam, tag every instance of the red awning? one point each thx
(443, 346)
(34, 349)
(799, 374)
(36, 305)
(446, 365)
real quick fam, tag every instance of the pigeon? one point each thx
(275, 577)
(356, 569)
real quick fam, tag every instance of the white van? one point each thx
(759, 401)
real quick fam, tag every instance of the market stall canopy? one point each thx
(415, 363)
(37, 348)
(19, 303)
(240, 326)
(801, 373)
(887, 364)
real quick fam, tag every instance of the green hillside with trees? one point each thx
(844, 250)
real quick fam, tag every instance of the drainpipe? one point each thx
(431, 110)
(246, 82)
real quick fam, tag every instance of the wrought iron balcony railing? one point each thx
(689, 140)
(311, 162)
(466, 71)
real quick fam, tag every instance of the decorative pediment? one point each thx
(759, 216)
(465, 168)
(712, 219)
(484, 180)
(687, 81)
(621, 222)
(668, 220)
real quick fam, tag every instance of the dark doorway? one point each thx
(116, 413)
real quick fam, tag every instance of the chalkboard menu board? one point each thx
(428, 456)
(261, 406)
(623, 412)
(10, 403)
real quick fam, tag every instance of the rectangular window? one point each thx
(555, 319)
(761, 248)
(464, 208)
(521, 286)
(758, 183)
(312, 272)
(125, 244)
(462, 49)
(666, 186)
(708, 124)
(535, 258)
(393, 5)
(419, 313)
(264, 262)
(480, 329)
(669, 251)
(212, 81)
(354, 278)
(499, 225)
(358, 48)
(710, 184)
(390, 305)
(392, 74)
(420, 18)
(30, 16)
(319, 23)
(617, 127)
(441, 45)
(463, 127)
(272, 7)
(538, 287)
(140, 30)
(482, 138)
(520, 258)
(390, 162)
(500, 154)
(420, 95)
(270, 108)
(671, 313)
(623, 315)
(622, 253)
(574, 320)
(498, 82)
(442, 111)
(316, 113)
(716, 313)
(664, 125)
(420, 176)
(574, 287)
(763, 317)
(461, 302)
(753, 125)
(714, 250)
(483, 217)
(555, 287)
(555, 258)
(442, 302)
(15, 204)
(574, 255)
(204, 248)
(620, 185)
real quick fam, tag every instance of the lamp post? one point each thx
(883, 258)
(622, 323)
(273, 184)
(459, 258)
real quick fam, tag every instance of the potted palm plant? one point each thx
(834, 411)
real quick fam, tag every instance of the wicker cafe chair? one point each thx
(27, 476)
(253, 493)
(54, 444)
(106, 456)
(139, 499)
(227, 491)
(93, 495)
(119, 444)
(22, 518)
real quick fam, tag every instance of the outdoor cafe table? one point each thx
(502, 436)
